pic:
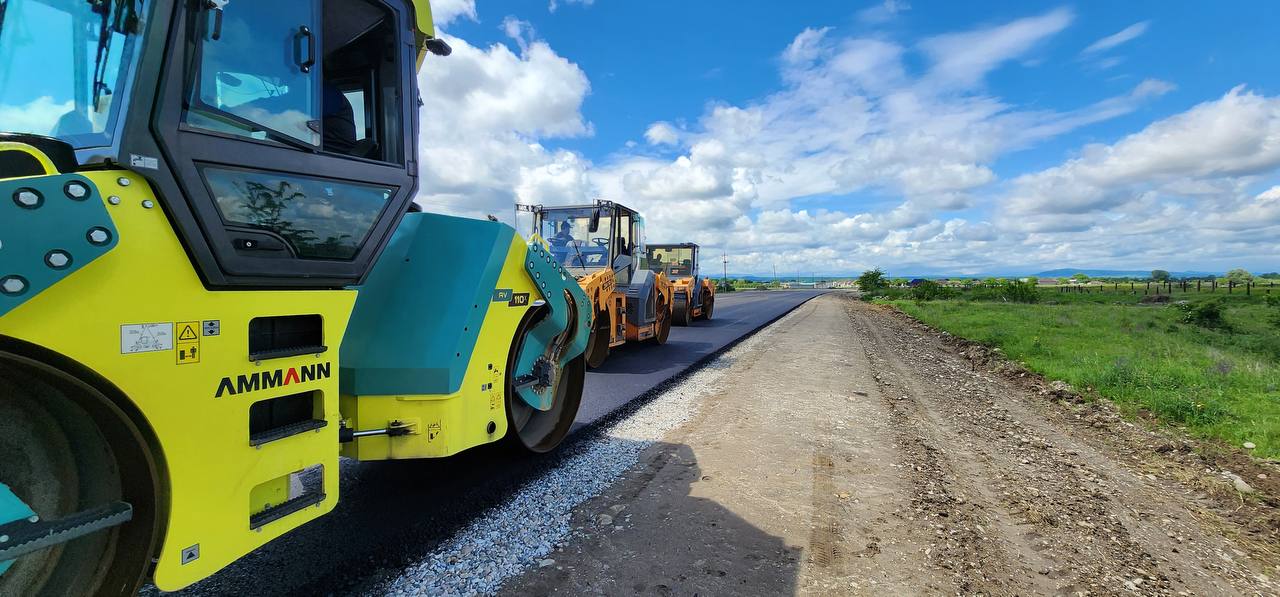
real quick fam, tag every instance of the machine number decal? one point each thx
(501, 295)
(146, 337)
(520, 299)
(187, 350)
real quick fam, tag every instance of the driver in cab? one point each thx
(564, 236)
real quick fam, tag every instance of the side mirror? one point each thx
(595, 221)
(438, 47)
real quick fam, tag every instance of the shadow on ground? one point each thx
(676, 538)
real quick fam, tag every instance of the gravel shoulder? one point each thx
(848, 449)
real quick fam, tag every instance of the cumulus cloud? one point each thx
(870, 152)
(662, 133)
(1232, 137)
(1181, 190)
(38, 116)
(486, 115)
(448, 11)
(853, 124)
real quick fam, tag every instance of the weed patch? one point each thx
(1213, 368)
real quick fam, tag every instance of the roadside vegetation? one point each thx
(1209, 363)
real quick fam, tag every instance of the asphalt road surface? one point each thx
(390, 514)
(634, 369)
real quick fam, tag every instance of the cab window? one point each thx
(319, 75)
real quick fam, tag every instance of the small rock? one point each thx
(1262, 475)
(616, 508)
(604, 520)
(1250, 445)
(1239, 483)
(547, 562)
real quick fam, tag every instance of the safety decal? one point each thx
(520, 299)
(187, 349)
(433, 429)
(501, 295)
(146, 337)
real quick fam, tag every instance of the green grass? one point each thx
(1217, 383)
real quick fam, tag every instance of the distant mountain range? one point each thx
(1066, 272)
(1062, 272)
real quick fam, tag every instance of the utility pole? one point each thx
(775, 273)
(725, 260)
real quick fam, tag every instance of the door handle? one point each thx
(304, 33)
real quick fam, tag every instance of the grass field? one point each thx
(1220, 382)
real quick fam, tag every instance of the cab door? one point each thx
(289, 127)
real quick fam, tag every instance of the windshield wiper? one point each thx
(582, 261)
(126, 22)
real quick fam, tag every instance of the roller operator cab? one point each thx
(210, 286)
(603, 246)
(695, 295)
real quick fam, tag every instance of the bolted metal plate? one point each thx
(11, 509)
(50, 226)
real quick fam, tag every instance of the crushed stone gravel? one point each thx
(524, 532)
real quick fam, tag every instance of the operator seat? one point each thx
(339, 122)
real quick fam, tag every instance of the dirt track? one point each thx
(854, 451)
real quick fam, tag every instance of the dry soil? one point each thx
(856, 451)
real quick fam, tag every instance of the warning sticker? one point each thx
(146, 337)
(187, 349)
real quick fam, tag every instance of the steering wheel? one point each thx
(601, 242)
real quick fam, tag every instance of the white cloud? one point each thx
(1124, 35)
(486, 113)
(1235, 136)
(519, 31)
(963, 59)
(860, 158)
(38, 116)
(883, 12)
(447, 11)
(661, 133)
(553, 5)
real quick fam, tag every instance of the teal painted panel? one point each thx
(11, 509)
(417, 317)
(545, 345)
(50, 226)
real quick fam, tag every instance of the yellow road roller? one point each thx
(695, 295)
(212, 284)
(603, 246)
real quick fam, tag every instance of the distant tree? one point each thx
(872, 280)
(1239, 276)
(1159, 275)
(1080, 277)
(1270, 276)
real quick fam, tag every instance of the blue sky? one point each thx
(833, 136)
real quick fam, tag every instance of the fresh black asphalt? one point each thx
(391, 514)
(634, 370)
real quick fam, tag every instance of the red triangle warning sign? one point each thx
(188, 333)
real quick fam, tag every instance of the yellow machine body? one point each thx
(212, 473)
